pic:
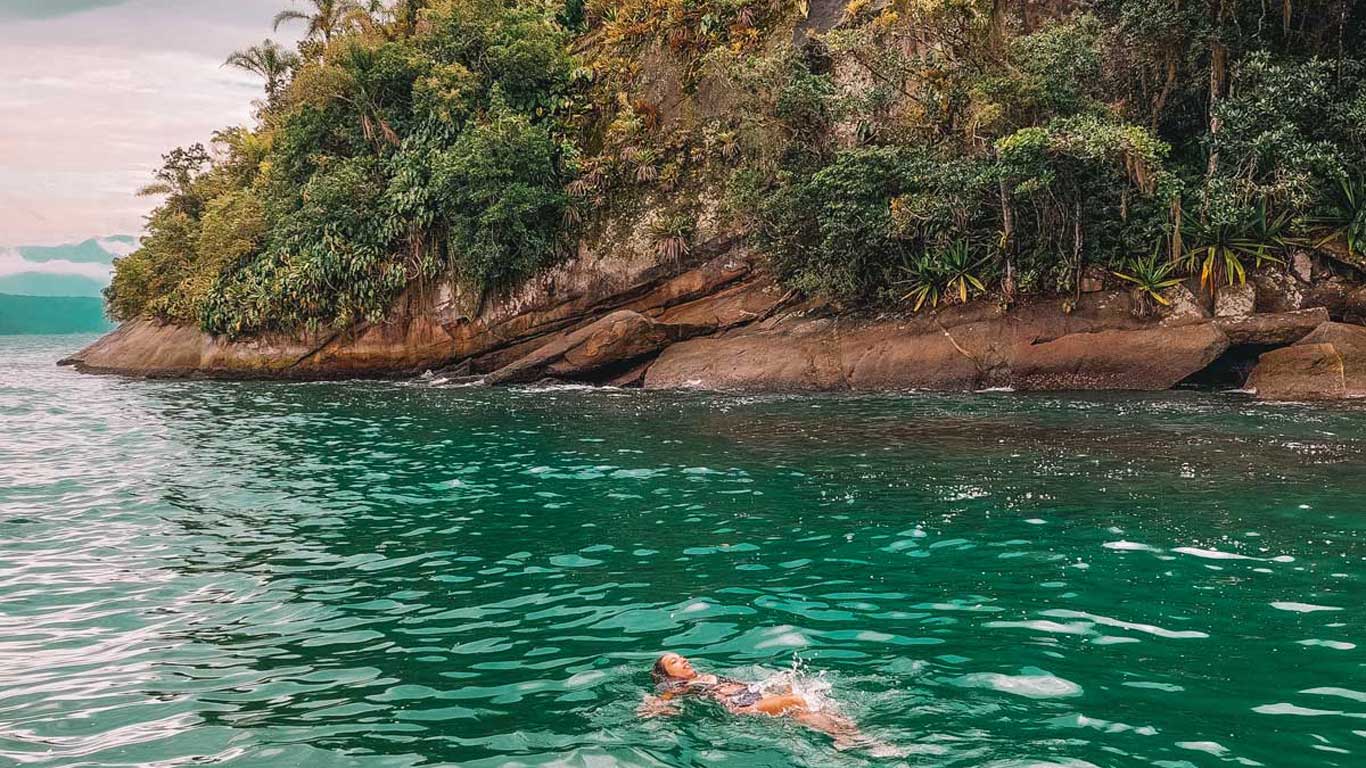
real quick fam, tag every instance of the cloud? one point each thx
(92, 96)
(11, 263)
(49, 9)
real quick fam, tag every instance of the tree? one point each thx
(176, 178)
(327, 18)
(270, 60)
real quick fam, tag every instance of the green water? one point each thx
(395, 574)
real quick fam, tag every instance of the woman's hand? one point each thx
(653, 706)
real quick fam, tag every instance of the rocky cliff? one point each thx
(719, 321)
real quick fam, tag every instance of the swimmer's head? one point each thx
(672, 668)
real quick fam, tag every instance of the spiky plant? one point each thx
(673, 236)
(954, 271)
(1150, 276)
(1217, 250)
(1342, 217)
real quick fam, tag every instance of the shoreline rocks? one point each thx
(1028, 350)
(1328, 364)
(719, 322)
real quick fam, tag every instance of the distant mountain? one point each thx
(96, 250)
(58, 288)
(47, 314)
(48, 284)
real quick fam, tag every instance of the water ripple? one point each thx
(400, 574)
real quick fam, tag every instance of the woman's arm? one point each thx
(654, 706)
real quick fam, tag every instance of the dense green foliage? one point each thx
(397, 153)
(920, 152)
(1076, 134)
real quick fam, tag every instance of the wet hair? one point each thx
(659, 674)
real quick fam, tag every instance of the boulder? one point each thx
(1151, 359)
(1302, 266)
(598, 350)
(1235, 300)
(1331, 294)
(1272, 330)
(1301, 372)
(1183, 307)
(1355, 305)
(1328, 364)
(1277, 292)
(799, 356)
(1033, 347)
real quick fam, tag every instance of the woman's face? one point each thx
(677, 667)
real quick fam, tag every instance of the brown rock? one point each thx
(1302, 266)
(1331, 295)
(792, 357)
(1235, 300)
(1033, 347)
(1092, 280)
(1329, 363)
(1149, 360)
(1277, 292)
(1183, 307)
(435, 328)
(1301, 372)
(602, 348)
(150, 348)
(1272, 330)
(1355, 304)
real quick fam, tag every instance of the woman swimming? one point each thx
(675, 678)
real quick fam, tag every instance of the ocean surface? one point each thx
(410, 574)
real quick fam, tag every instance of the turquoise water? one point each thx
(395, 574)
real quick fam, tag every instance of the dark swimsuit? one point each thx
(747, 696)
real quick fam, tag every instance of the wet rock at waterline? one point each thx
(1328, 364)
(721, 322)
(607, 345)
(999, 352)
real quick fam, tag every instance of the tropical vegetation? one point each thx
(915, 152)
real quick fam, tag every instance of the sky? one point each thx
(93, 92)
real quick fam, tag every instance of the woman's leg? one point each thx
(794, 706)
(779, 705)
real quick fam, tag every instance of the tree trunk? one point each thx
(1008, 240)
(1076, 243)
(1218, 73)
(1166, 93)
(999, 11)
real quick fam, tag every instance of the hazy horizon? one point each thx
(95, 91)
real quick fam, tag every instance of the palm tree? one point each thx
(270, 60)
(328, 17)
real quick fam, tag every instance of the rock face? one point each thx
(436, 328)
(149, 348)
(1328, 364)
(1099, 346)
(1272, 330)
(609, 344)
(1236, 300)
(720, 322)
